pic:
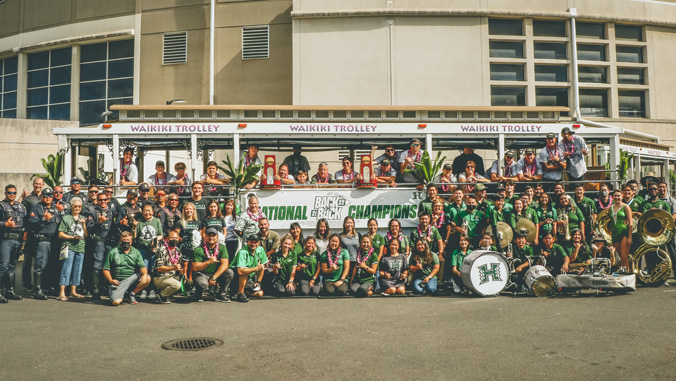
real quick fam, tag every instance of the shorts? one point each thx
(389, 283)
(118, 292)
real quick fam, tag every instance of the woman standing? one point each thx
(307, 271)
(349, 239)
(72, 230)
(363, 273)
(297, 234)
(190, 236)
(457, 258)
(147, 233)
(546, 216)
(424, 266)
(621, 225)
(322, 234)
(393, 270)
(284, 264)
(335, 267)
(247, 223)
(231, 240)
(214, 218)
(394, 232)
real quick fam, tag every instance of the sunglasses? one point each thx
(47, 196)
(389, 150)
(11, 193)
(470, 166)
(653, 189)
(58, 192)
(102, 199)
(415, 145)
(93, 191)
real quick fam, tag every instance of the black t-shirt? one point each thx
(460, 162)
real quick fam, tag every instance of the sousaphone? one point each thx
(504, 235)
(656, 227)
(528, 225)
(604, 225)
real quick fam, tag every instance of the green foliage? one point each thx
(426, 170)
(239, 176)
(625, 162)
(85, 175)
(53, 166)
(672, 177)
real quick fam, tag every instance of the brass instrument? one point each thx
(656, 227)
(603, 225)
(528, 225)
(504, 233)
(563, 227)
(651, 265)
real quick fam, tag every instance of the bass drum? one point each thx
(485, 272)
(539, 281)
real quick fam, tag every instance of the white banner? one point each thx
(306, 206)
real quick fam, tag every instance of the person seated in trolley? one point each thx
(528, 169)
(160, 179)
(212, 180)
(385, 173)
(128, 170)
(470, 176)
(460, 161)
(508, 166)
(347, 175)
(296, 162)
(444, 180)
(302, 178)
(282, 176)
(182, 181)
(390, 154)
(323, 177)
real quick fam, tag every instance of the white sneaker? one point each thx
(456, 288)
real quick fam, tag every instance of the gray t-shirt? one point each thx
(393, 265)
(543, 157)
(522, 167)
(351, 244)
(510, 170)
(576, 165)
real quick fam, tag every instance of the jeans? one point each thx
(305, 289)
(72, 268)
(9, 254)
(430, 287)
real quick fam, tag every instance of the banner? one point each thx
(307, 206)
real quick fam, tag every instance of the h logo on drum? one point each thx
(485, 273)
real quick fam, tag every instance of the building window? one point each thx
(504, 72)
(552, 96)
(632, 54)
(505, 27)
(628, 32)
(594, 102)
(549, 28)
(106, 78)
(8, 75)
(506, 49)
(590, 30)
(551, 73)
(632, 104)
(593, 74)
(550, 50)
(508, 96)
(591, 52)
(630, 76)
(48, 86)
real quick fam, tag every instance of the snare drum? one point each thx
(539, 281)
(485, 272)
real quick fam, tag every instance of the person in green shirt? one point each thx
(125, 270)
(147, 232)
(575, 218)
(587, 207)
(547, 216)
(457, 257)
(429, 233)
(556, 257)
(487, 243)
(72, 230)
(577, 249)
(335, 262)
(653, 201)
(426, 204)
(365, 267)
(307, 269)
(284, 264)
(248, 266)
(520, 212)
(210, 267)
(297, 234)
(474, 219)
(377, 241)
(424, 266)
(521, 254)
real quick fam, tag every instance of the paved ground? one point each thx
(625, 337)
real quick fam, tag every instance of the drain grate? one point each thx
(192, 344)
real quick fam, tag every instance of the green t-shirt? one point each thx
(575, 217)
(121, 265)
(457, 257)
(311, 262)
(543, 215)
(588, 207)
(377, 241)
(498, 216)
(70, 227)
(343, 257)
(288, 264)
(200, 256)
(474, 220)
(297, 249)
(634, 204)
(555, 258)
(431, 234)
(245, 259)
(522, 254)
(146, 231)
(427, 266)
(364, 276)
(583, 255)
(660, 204)
(527, 213)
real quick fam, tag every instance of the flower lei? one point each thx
(124, 170)
(322, 180)
(400, 237)
(255, 218)
(570, 148)
(508, 169)
(440, 220)
(610, 202)
(556, 151)
(334, 260)
(363, 259)
(429, 232)
(174, 254)
(530, 169)
(211, 255)
(416, 159)
(347, 176)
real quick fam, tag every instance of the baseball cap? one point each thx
(252, 237)
(75, 180)
(480, 187)
(551, 135)
(159, 163)
(598, 237)
(144, 187)
(500, 187)
(448, 166)
(509, 153)
(415, 140)
(529, 151)
(385, 162)
(522, 233)
(567, 130)
(212, 230)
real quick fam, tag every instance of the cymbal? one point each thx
(504, 235)
(524, 223)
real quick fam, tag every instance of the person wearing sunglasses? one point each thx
(406, 160)
(12, 218)
(390, 154)
(43, 224)
(460, 161)
(170, 214)
(30, 200)
(75, 185)
(99, 226)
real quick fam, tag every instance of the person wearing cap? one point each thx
(460, 161)
(43, 223)
(385, 173)
(248, 266)
(573, 149)
(502, 192)
(160, 179)
(528, 168)
(128, 170)
(390, 154)
(75, 185)
(296, 162)
(211, 267)
(645, 182)
(406, 160)
(30, 201)
(167, 268)
(99, 225)
(250, 157)
(347, 175)
(12, 223)
(600, 249)
(444, 180)
(182, 181)
(143, 195)
(323, 177)
(125, 271)
(470, 175)
(147, 232)
(503, 171)
(130, 211)
(552, 161)
(483, 203)
(577, 249)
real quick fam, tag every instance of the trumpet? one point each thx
(561, 229)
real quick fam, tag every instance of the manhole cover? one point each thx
(192, 344)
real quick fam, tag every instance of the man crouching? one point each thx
(210, 263)
(128, 271)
